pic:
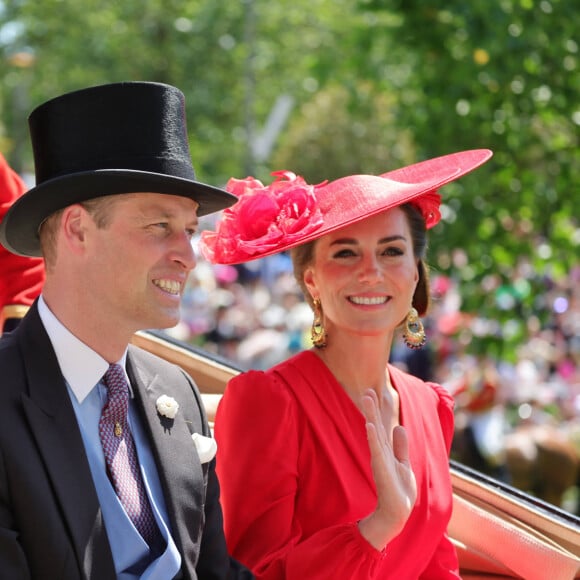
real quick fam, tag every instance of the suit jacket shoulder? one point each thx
(44, 471)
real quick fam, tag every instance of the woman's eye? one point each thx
(393, 251)
(345, 253)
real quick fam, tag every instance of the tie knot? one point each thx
(115, 381)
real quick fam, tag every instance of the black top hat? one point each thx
(118, 138)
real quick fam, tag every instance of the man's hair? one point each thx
(99, 208)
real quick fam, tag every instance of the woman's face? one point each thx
(365, 275)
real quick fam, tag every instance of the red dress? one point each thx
(294, 467)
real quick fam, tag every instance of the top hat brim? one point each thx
(19, 230)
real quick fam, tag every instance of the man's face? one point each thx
(138, 264)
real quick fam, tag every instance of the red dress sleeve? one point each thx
(257, 429)
(21, 278)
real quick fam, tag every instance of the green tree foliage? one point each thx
(231, 59)
(343, 132)
(191, 44)
(503, 75)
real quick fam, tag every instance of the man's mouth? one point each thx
(171, 286)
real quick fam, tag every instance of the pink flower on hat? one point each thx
(285, 210)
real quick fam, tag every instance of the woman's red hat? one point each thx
(289, 212)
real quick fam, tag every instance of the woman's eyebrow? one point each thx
(352, 241)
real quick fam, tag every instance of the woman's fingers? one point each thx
(390, 461)
(401, 445)
(372, 414)
(394, 478)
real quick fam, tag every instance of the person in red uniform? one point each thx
(21, 277)
(334, 464)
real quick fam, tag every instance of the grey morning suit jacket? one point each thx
(51, 526)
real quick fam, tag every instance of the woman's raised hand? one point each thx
(394, 478)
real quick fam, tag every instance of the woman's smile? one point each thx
(368, 300)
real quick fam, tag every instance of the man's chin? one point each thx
(165, 321)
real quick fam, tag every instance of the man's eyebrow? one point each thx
(162, 212)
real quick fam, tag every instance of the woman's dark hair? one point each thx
(302, 257)
(416, 221)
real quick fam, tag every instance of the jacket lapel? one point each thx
(54, 427)
(180, 471)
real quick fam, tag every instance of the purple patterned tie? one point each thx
(120, 454)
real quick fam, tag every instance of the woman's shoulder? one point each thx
(433, 399)
(416, 385)
(261, 397)
(272, 381)
(303, 362)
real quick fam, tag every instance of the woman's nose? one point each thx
(370, 270)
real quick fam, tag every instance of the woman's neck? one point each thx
(358, 364)
(362, 366)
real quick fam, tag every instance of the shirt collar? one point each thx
(80, 365)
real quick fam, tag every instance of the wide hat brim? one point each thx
(19, 228)
(351, 199)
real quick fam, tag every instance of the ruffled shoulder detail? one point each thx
(445, 407)
(257, 392)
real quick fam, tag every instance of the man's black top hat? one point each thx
(117, 138)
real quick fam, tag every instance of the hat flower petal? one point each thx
(263, 216)
(428, 204)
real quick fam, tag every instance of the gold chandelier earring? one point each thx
(414, 332)
(318, 332)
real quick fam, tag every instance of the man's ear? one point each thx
(73, 225)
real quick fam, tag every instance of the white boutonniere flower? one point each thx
(206, 447)
(167, 406)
